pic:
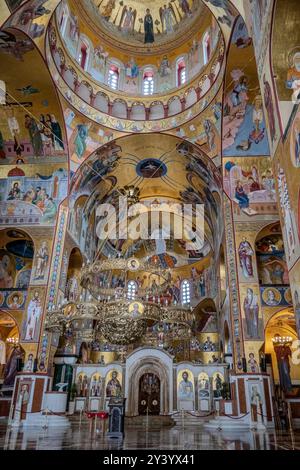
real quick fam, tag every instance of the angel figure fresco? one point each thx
(127, 20)
(167, 18)
(185, 7)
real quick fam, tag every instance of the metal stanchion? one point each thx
(290, 416)
(46, 424)
(95, 425)
(11, 412)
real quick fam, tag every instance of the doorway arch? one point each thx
(149, 361)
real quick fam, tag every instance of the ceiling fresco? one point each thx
(145, 22)
(31, 122)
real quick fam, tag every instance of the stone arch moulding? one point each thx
(148, 360)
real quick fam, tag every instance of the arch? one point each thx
(113, 75)
(156, 110)
(174, 106)
(181, 71)
(84, 91)
(119, 109)
(72, 275)
(138, 112)
(150, 365)
(270, 256)
(204, 85)
(148, 81)
(63, 15)
(17, 258)
(282, 323)
(191, 97)
(101, 102)
(206, 45)
(84, 51)
(70, 76)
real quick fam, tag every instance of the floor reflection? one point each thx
(80, 437)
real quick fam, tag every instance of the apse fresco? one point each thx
(31, 123)
(146, 23)
(244, 127)
(98, 59)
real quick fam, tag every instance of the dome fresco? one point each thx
(171, 62)
(145, 22)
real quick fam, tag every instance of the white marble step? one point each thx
(40, 420)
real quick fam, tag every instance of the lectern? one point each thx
(116, 408)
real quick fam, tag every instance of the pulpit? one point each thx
(116, 417)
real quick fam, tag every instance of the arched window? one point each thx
(206, 47)
(181, 72)
(113, 77)
(83, 54)
(185, 292)
(63, 19)
(148, 82)
(131, 290)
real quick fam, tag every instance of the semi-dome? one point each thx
(145, 24)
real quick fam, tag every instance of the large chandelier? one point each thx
(279, 340)
(108, 309)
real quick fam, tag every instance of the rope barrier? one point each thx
(235, 417)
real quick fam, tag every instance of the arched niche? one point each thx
(10, 349)
(101, 102)
(206, 347)
(191, 97)
(16, 259)
(174, 106)
(270, 257)
(69, 76)
(282, 323)
(156, 111)
(73, 288)
(151, 361)
(84, 91)
(119, 109)
(138, 112)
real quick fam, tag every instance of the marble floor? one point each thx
(171, 438)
